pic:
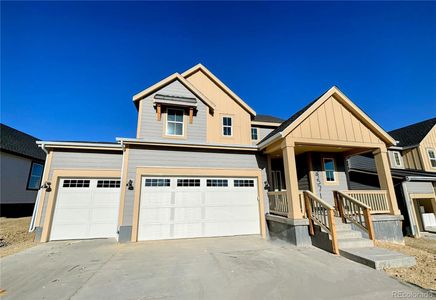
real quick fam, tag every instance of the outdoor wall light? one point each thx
(47, 186)
(130, 184)
(266, 185)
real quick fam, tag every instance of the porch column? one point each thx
(385, 178)
(288, 148)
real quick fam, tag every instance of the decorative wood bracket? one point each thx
(191, 115)
(158, 112)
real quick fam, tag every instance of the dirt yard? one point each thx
(14, 235)
(424, 250)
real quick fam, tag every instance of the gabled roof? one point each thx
(413, 134)
(267, 119)
(287, 126)
(18, 142)
(168, 80)
(218, 82)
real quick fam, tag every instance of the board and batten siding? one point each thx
(333, 122)
(429, 142)
(152, 129)
(160, 157)
(412, 159)
(81, 160)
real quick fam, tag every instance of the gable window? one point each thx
(329, 169)
(35, 175)
(227, 126)
(432, 157)
(254, 134)
(397, 159)
(175, 121)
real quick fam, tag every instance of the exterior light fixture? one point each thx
(47, 186)
(130, 184)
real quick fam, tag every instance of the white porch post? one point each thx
(385, 178)
(288, 149)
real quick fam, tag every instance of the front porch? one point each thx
(309, 186)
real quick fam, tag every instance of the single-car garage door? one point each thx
(182, 207)
(86, 208)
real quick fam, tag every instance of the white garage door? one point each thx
(86, 208)
(183, 207)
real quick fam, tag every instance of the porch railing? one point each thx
(355, 212)
(321, 213)
(278, 203)
(377, 200)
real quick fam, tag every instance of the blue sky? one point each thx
(69, 69)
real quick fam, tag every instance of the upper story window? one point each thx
(175, 122)
(254, 133)
(34, 181)
(432, 157)
(329, 169)
(397, 159)
(227, 126)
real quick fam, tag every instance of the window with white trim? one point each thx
(108, 183)
(432, 157)
(254, 133)
(329, 169)
(398, 161)
(227, 126)
(35, 176)
(175, 122)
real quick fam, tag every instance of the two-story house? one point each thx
(204, 164)
(413, 168)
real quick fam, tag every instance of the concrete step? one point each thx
(347, 243)
(343, 227)
(378, 258)
(348, 234)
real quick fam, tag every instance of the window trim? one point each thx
(257, 133)
(30, 175)
(222, 126)
(335, 175)
(429, 158)
(177, 122)
(400, 158)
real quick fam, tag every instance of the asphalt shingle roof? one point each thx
(413, 134)
(267, 118)
(20, 143)
(291, 119)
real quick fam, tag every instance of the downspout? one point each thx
(38, 195)
(412, 220)
(121, 179)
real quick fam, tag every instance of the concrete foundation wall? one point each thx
(296, 233)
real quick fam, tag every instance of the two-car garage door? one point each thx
(182, 207)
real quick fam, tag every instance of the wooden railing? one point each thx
(354, 211)
(377, 200)
(278, 203)
(320, 212)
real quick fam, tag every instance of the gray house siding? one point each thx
(161, 157)
(82, 160)
(261, 132)
(14, 176)
(152, 129)
(325, 191)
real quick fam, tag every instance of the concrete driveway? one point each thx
(215, 268)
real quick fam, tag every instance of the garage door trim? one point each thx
(199, 172)
(56, 178)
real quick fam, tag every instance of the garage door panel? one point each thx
(155, 215)
(199, 210)
(191, 214)
(85, 212)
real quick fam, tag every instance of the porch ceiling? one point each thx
(302, 148)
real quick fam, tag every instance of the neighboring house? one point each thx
(203, 164)
(22, 163)
(413, 167)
